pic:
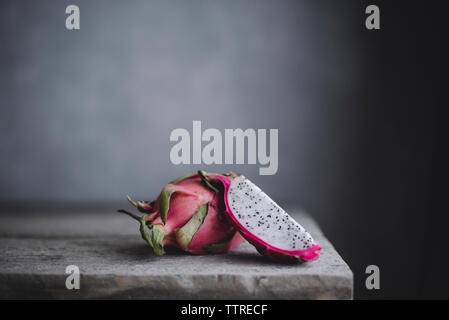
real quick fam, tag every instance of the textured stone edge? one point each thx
(198, 287)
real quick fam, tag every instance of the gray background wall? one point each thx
(85, 115)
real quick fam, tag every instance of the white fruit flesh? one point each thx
(263, 218)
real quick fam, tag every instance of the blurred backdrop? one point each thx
(85, 116)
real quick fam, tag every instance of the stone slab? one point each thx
(115, 263)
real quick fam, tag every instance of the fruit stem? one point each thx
(132, 215)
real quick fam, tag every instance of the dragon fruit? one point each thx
(273, 232)
(188, 214)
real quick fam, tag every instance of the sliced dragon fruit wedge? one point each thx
(273, 232)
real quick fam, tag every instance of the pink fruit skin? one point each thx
(264, 248)
(191, 194)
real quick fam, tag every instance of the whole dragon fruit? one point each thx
(262, 222)
(188, 214)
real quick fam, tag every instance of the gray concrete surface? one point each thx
(115, 263)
